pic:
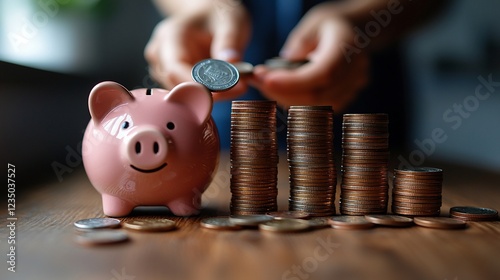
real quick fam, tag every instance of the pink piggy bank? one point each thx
(149, 147)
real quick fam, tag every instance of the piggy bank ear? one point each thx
(106, 96)
(195, 97)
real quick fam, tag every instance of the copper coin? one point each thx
(390, 220)
(415, 213)
(439, 222)
(149, 224)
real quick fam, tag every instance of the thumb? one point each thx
(301, 41)
(230, 37)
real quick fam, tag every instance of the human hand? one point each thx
(221, 31)
(330, 77)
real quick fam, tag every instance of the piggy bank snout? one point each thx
(145, 148)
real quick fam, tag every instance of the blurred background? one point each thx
(446, 105)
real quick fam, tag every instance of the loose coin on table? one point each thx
(101, 237)
(476, 214)
(390, 220)
(216, 75)
(285, 225)
(249, 220)
(149, 224)
(318, 222)
(439, 222)
(278, 215)
(97, 223)
(219, 223)
(350, 222)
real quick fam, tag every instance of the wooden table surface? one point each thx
(46, 249)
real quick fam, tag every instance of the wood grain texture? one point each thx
(46, 249)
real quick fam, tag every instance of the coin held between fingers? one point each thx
(216, 75)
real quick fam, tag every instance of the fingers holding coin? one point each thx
(220, 77)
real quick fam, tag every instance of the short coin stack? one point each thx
(254, 157)
(313, 176)
(473, 214)
(365, 156)
(417, 191)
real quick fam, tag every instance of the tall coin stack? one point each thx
(417, 191)
(254, 157)
(313, 176)
(365, 158)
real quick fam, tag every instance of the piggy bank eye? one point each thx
(170, 125)
(125, 125)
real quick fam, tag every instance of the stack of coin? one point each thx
(365, 156)
(417, 191)
(473, 214)
(254, 157)
(313, 176)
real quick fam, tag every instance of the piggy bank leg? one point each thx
(188, 206)
(115, 207)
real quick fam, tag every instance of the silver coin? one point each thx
(285, 225)
(250, 220)
(100, 237)
(97, 223)
(349, 221)
(220, 223)
(216, 75)
(318, 222)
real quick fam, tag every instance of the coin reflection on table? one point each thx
(101, 237)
